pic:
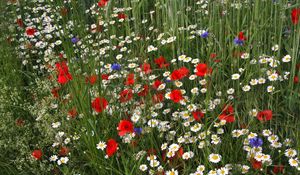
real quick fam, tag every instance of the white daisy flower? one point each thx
(290, 153)
(181, 57)
(222, 171)
(53, 158)
(253, 82)
(286, 59)
(273, 77)
(56, 124)
(212, 172)
(174, 147)
(172, 172)
(294, 162)
(201, 168)
(151, 48)
(246, 88)
(245, 55)
(235, 76)
(215, 158)
(261, 81)
(101, 145)
(154, 163)
(275, 47)
(270, 88)
(230, 91)
(143, 167)
(63, 160)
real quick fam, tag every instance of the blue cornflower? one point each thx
(167, 80)
(74, 40)
(138, 130)
(116, 66)
(204, 34)
(256, 142)
(238, 41)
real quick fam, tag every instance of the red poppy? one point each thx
(180, 152)
(61, 55)
(228, 117)
(37, 154)
(62, 67)
(20, 122)
(161, 62)
(264, 115)
(64, 78)
(164, 155)
(146, 68)
(151, 151)
(104, 77)
(111, 147)
(180, 73)
(20, 22)
(125, 126)
(91, 79)
(129, 79)
(202, 70)
(198, 115)
(241, 36)
(63, 11)
(213, 55)
(99, 104)
(126, 95)
(296, 79)
(72, 112)
(156, 84)
(102, 3)
(54, 92)
(295, 14)
(30, 31)
(64, 151)
(176, 95)
(157, 98)
(228, 109)
(278, 169)
(122, 16)
(63, 72)
(227, 114)
(144, 92)
(256, 164)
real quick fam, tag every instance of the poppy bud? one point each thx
(37, 154)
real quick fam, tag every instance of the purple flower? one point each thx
(116, 66)
(256, 142)
(167, 80)
(138, 130)
(238, 41)
(204, 34)
(74, 40)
